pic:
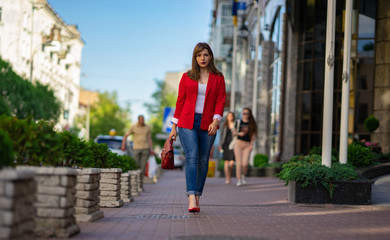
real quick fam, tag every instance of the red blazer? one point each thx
(186, 100)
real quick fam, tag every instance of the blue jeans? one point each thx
(197, 145)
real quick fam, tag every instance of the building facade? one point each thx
(40, 46)
(291, 73)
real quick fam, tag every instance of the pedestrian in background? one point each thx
(245, 130)
(142, 142)
(199, 107)
(225, 141)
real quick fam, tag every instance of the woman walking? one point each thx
(199, 107)
(225, 145)
(246, 130)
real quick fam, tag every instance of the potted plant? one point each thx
(311, 182)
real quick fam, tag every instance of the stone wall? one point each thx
(134, 183)
(126, 188)
(382, 76)
(87, 196)
(17, 195)
(55, 201)
(110, 185)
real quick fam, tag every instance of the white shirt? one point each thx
(201, 98)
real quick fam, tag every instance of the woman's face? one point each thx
(203, 58)
(230, 117)
(245, 114)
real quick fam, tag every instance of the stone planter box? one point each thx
(357, 192)
(140, 176)
(263, 172)
(87, 196)
(55, 201)
(17, 196)
(110, 187)
(134, 183)
(126, 188)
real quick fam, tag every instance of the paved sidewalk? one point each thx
(258, 210)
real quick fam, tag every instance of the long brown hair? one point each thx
(226, 124)
(252, 123)
(194, 73)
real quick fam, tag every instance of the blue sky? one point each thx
(130, 44)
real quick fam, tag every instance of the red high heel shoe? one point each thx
(193, 210)
(197, 209)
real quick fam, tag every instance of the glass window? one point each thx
(366, 48)
(319, 49)
(365, 74)
(305, 108)
(308, 51)
(367, 10)
(316, 111)
(307, 72)
(226, 10)
(318, 80)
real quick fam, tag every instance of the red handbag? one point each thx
(167, 155)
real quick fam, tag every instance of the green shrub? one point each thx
(25, 98)
(73, 150)
(158, 160)
(309, 171)
(34, 143)
(221, 165)
(126, 163)
(6, 150)
(4, 108)
(317, 150)
(371, 123)
(260, 160)
(101, 156)
(359, 156)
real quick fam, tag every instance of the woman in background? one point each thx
(224, 143)
(246, 130)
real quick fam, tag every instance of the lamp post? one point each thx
(328, 85)
(256, 64)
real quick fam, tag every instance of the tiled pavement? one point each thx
(258, 210)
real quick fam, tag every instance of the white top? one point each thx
(201, 98)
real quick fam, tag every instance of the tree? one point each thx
(21, 98)
(106, 114)
(162, 98)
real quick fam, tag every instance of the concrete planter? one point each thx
(17, 195)
(87, 196)
(55, 201)
(134, 182)
(140, 176)
(126, 188)
(110, 187)
(357, 192)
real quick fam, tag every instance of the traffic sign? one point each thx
(168, 115)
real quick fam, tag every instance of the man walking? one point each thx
(142, 141)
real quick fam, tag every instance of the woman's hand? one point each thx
(213, 127)
(173, 132)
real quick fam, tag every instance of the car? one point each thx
(114, 143)
(179, 158)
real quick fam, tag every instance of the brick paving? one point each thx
(258, 210)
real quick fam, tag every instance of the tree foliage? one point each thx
(106, 114)
(162, 98)
(21, 98)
